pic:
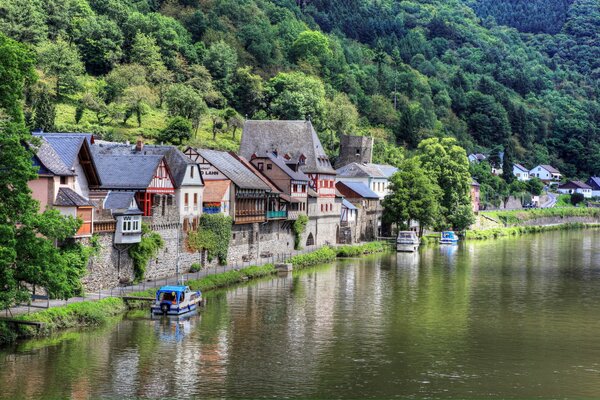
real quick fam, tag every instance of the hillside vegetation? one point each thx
(191, 70)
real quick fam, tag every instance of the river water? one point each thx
(510, 318)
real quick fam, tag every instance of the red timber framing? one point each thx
(162, 183)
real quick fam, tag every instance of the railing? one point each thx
(211, 210)
(276, 214)
(293, 215)
(105, 226)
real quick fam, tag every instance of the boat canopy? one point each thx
(171, 289)
(448, 235)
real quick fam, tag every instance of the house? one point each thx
(124, 209)
(185, 173)
(475, 196)
(293, 184)
(66, 172)
(547, 174)
(348, 220)
(520, 172)
(247, 202)
(594, 183)
(476, 157)
(576, 187)
(368, 205)
(298, 144)
(375, 176)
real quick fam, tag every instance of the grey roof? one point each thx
(348, 205)
(594, 182)
(119, 203)
(522, 168)
(175, 159)
(549, 168)
(286, 137)
(295, 175)
(126, 171)
(387, 170)
(364, 170)
(361, 189)
(232, 168)
(67, 197)
(574, 185)
(51, 160)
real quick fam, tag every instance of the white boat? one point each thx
(407, 241)
(176, 300)
(449, 237)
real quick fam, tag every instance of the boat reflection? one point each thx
(175, 329)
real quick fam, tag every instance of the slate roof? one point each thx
(295, 175)
(232, 168)
(574, 185)
(348, 205)
(360, 188)
(126, 171)
(50, 159)
(364, 170)
(67, 147)
(67, 197)
(522, 168)
(175, 159)
(387, 170)
(286, 137)
(119, 203)
(214, 191)
(594, 182)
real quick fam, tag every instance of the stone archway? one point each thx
(310, 240)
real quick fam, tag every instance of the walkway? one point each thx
(41, 304)
(551, 202)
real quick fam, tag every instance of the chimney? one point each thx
(139, 146)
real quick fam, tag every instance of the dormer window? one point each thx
(63, 180)
(192, 172)
(287, 156)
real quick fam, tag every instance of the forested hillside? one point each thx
(192, 70)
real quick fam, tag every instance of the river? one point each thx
(510, 318)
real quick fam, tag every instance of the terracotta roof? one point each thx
(214, 191)
(295, 138)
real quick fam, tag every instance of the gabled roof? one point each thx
(232, 168)
(520, 167)
(594, 182)
(120, 203)
(548, 168)
(214, 191)
(50, 160)
(366, 170)
(348, 205)
(387, 170)
(360, 189)
(133, 172)
(67, 197)
(175, 159)
(295, 138)
(574, 185)
(66, 146)
(295, 175)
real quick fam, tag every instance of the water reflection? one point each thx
(506, 318)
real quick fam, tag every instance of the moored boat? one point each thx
(407, 241)
(176, 300)
(449, 237)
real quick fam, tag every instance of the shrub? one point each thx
(142, 252)
(357, 250)
(298, 228)
(321, 256)
(195, 267)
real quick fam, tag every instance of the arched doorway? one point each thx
(310, 240)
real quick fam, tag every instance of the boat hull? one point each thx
(156, 310)
(407, 247)
(450, 242)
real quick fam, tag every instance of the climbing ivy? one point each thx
(213, 235)
(298, 228)
(144, 251)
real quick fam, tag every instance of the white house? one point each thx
(576, 187)
(374, 176)
(594, 182)
(476, 158)
(521, 172)
(546, 173)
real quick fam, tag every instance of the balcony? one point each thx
(293, 215)
(211, 210)
(277, 214)
(104, 226)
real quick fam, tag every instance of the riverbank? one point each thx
(495, 233)
(93, 313)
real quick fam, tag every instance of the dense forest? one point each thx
(190, 71)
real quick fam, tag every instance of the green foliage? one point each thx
(298, 228)
(414, 197)
(195, 267)
(217, 241)
(535, 186)
(177, 131)
(296, 96)
(564, 200)
(230, 278)
(522, 230)
(323, 255)
(577, 198)
(141, 253)
(360, 249)
(221, 60)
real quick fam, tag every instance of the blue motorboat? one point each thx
(176, 300)
(449, 237)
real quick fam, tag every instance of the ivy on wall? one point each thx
(298, 228)
(213, 236)
(144, 251)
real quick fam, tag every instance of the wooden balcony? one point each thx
(104, 226)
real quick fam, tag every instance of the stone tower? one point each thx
(355, 149)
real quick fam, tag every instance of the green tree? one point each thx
(221, 60)
(577, 198)
(144, 50)
(535, 186)
(414, 197)
(161, 78)
(177, 131)
(99, 40)
(312, 48)
(122, 77)
(61, 61)
(43, 109)
(184, 101)
(23, 21)
(248, 91)
(448, 166)
(137, 101)
(296, 96)
(341, 115)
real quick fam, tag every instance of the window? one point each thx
(357, 152)
(321, 207)
(130, 224)
(261, 166)
(63, 180)
(192, 172)
(269, 166)
(196, 200)
(186, 200)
